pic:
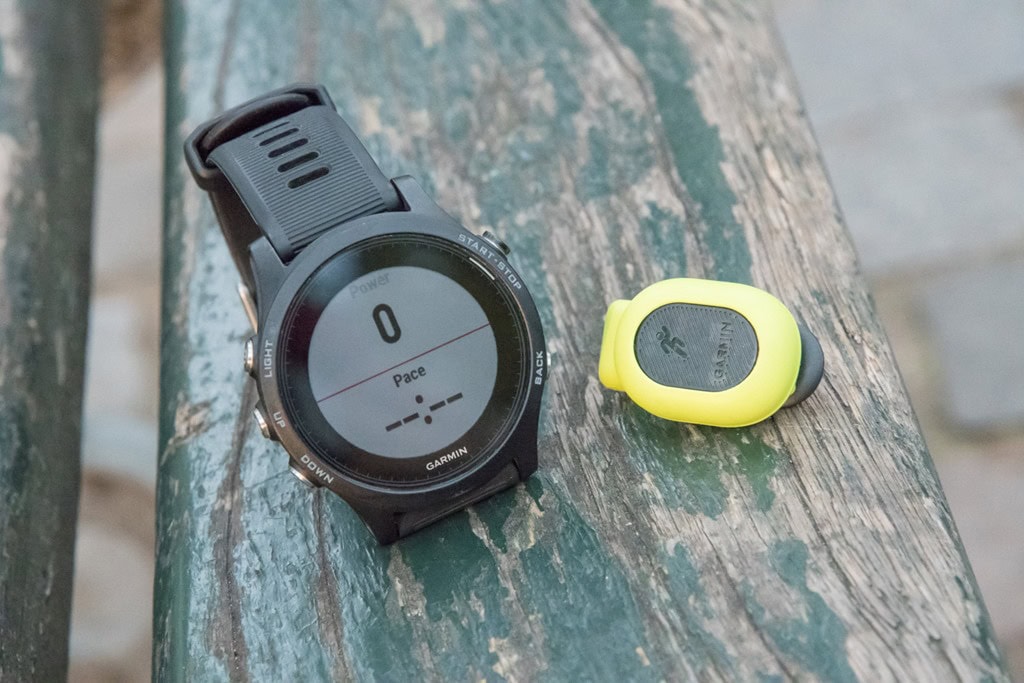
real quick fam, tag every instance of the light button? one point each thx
(249, 356)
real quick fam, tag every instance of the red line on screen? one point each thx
(408, 360)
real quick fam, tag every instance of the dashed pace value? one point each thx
(428, 417)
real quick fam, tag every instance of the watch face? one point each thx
(402, 361)
(405, 360)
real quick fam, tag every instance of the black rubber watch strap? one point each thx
(287, 167)
(303, 174)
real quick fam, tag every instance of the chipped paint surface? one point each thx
(602, 142)
(646, 29)
(815, 639)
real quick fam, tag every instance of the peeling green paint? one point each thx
(457, 123)
(665, 233)
(755, 460)
(570, 597)
(463, 593)
(494, 515)
(687, 473)
(594, 178)
(688, 476)
(816, 642)
(619, 154)
(707, 651)
(646, 29)
(376, 646)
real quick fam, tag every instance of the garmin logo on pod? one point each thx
(316, 469)
(448, 457)
(721, 362)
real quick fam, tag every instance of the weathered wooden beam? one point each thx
(611, 144)
(49, 85)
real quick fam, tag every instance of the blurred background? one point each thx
(919, 110)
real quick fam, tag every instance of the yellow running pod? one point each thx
(706, 352)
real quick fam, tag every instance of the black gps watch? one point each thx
(398, 357)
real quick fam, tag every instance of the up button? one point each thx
(259, 413)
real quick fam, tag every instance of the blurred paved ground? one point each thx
(112, 610)
(919, 108)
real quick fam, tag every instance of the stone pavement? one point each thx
(919, 108)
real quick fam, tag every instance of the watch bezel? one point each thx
(271, 361)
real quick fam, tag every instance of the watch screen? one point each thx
(402, 361)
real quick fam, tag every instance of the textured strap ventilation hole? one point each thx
(294, 144)
(280, 136)
(297, 161)
(308, 178)
(271, 129)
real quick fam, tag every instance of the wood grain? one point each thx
(611, 144)
(49, 84)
